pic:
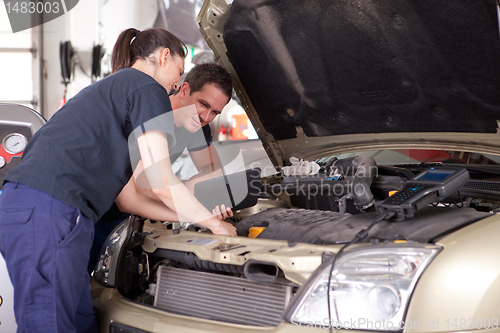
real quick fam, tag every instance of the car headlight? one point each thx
(107, 262)
(370, 288)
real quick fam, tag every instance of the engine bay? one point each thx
(297, 224)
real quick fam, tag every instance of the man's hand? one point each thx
(224, 228)
(218, 227)
(222, 213)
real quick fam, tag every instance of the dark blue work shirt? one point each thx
(81, 155)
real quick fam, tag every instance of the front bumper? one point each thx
(112, 307)
(132, 317)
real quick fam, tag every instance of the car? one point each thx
(397, 104)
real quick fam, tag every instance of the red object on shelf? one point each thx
(223, 133)
(239, 124)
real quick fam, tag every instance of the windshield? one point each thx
(415, 159)
(421, 156)
(480, 166)
(236, 156)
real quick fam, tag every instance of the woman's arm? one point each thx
(221, 212)
(132, 202)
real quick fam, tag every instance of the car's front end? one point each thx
(200, 282)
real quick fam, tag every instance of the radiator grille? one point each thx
(484, 185)
(220, 297)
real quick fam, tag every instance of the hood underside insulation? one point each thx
(355, 66)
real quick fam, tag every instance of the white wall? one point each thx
(118, 15)
(82, 27)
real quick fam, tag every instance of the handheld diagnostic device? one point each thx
(431, 185)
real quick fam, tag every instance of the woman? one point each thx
(72, 171)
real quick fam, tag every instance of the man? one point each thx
(206, 90)
(201, 97)
(208, 87)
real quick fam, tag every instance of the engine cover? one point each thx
(328, 227)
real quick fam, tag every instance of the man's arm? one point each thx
(208, 163)
(221, 212)
(153, 147)
(206, 159)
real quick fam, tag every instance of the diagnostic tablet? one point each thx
(431, 185)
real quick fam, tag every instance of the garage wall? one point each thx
(90, 22)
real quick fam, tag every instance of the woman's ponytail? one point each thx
(133, 44)
(120, 57)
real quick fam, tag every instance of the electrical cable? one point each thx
(359, 236)
(97, 55)
(66, 54)
(448, 204)
(461, 201)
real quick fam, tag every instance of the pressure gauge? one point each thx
(2, 162)
(14, 143)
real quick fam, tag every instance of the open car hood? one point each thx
(321, 77)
